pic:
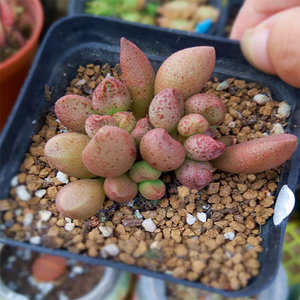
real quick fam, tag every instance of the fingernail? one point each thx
(254, 47)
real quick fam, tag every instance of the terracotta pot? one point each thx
(14, 70)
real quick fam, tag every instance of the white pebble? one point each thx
(149, 225)
(63, 130)
(190, 219)
(137, 214)
(45, 215)
(36, 240)
(62, 177)
(22, 193)
(62, 296)
(68, 220)
(109, 250)
(57, 120)
(106, 230)
(14, 181)
(18, 212)
(40, 193)
(206, 206)
(78, 270)
(222, 86)
(80, 82)
(154, 245)
(11, 259)
(284, 110)
(69, 226)
(108, 75)
(202, 217)
(231, 124)
(277, 129)
(28, 219)
(261, 99)
(48, 179)
(229, 235)
(265, 134)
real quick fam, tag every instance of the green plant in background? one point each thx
(179, 14)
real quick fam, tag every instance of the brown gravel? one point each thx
(220, 250)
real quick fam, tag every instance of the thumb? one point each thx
(273, 46)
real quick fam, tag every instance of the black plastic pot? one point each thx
(86, 39)
(217, 28)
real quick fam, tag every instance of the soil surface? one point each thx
(211, 235)
(180, 292)
(78, 280)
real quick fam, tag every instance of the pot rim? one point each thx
(102, 288)
(37, 28)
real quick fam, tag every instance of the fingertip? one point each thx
(254, 45)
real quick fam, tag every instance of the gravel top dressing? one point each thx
(17, 273)
(210, 235)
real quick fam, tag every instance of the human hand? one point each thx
(269, 31)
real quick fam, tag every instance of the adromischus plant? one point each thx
(167, 140)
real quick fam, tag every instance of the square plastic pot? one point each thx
(217, 28)
(84, 39)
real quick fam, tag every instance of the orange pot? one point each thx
(14, 70)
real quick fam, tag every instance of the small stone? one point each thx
(36, 240)
(106, 230)
(28, 218)
(229, 235)
(183, 191)
(69, 226)
(190, 219)
(284, 110)
(223, 86)
(149, 225)
(14, 181)
(277, 129)
(261, 99)
(109, 250)
(22, 193)
(62, 177)
(202, 217)
(138, 215)
(45, 215)
(40, 193)
(68, 220)
(80, 82)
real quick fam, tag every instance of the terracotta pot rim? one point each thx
(34, 37)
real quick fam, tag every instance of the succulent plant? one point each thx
(167, 140)
(152, 189)
(192, 124)
(125, 120)
(95, 122)
(202, 147)
(187, 70)
(161, 151)
(257, 155)
(81, 199)
(138, 76)
(141, 171)
(209, 106)
(166, 109)
(111, 96)
(194, 174)
(120, 188)
(64, 152)
(177, 10)
(73, 110)
(142, 127)
(110, 153)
